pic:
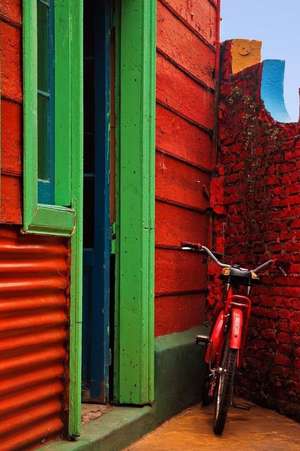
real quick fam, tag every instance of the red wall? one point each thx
(187, 41)
(257, 198)
(34, 283)
(11, 111)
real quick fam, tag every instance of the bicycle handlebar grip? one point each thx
(194, 246)
(264, 265)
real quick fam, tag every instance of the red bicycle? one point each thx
(226, 342)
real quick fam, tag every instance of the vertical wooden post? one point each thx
(134, 351)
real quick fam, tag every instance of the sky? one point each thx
(277, 24)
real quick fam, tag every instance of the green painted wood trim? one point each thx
(62, 116)
(45, 219)
(52, 220)
(55, 220)
(134, 353)
(76, 13)
(30, 111)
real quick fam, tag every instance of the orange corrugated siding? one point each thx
(34, 290)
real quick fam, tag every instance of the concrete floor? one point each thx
(258, 430)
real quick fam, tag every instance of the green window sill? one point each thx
(51, 220)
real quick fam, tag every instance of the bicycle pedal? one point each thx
(242, 406)
(202, 339)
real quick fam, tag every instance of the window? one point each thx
(53, 147)
(52, 70)
(46, 68)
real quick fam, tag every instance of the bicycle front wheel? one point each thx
(224, 390)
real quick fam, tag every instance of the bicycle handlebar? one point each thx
(199, 247)
(264, 265)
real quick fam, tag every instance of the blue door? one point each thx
(96, 260)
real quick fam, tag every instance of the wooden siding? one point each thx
(11, 111)
(187, 51)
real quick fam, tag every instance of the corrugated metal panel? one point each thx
(34, 288)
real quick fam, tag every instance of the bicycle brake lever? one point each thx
(282, 270)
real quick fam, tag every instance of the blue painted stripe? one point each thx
(272, 90)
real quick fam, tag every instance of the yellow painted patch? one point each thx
(244, 53)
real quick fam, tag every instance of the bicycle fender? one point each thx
(236, 330)
(215, 345)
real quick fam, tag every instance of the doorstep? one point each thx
(111, 432)
(179, 373)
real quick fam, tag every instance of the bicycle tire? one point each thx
(224, 390)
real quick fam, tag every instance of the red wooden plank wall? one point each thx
(11, 111)
(187, 52)
(34, 282)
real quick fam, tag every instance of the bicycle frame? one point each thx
(227, 340)
(232, 319)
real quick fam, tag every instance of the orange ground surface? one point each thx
(256, 430)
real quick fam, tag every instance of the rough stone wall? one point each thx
(256, 201)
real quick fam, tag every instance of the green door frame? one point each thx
(134, 324)
(135, 167)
